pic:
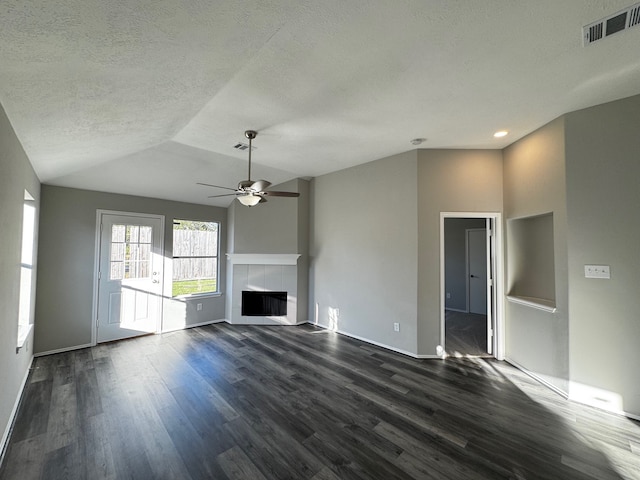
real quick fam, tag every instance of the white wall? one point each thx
(364, 241)
(16, 175)
(66, 264)
(603, 200)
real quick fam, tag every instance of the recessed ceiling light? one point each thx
(501, 133)
(418, 141)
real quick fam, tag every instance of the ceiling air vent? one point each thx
(243, 146)
(634, 16)
(615, 23)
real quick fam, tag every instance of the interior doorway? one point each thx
(470, 278)
(129, 273)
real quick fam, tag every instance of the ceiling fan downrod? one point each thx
(250, 134)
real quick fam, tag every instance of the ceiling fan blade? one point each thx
(262, 199)
(216, 186)
(280, 194)
(260, 185)
(223, 195)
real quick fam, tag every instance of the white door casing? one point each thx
(494, 282)
(491, 301)
(129, 275)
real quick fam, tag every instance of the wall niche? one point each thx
(531, 263)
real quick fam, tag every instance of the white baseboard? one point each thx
(14, 412)
(274, 324)
(62, 350)
(377, 344)
(193, 325)
(538, 378)
(622, 413)
(598, 398)
(572, 398)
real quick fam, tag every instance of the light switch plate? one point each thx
(597, 271)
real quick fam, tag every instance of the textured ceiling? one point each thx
(149, 97)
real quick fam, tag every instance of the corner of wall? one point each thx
(18, 175)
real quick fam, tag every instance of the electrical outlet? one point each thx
(396, 327)
(198, 306)
(597, 271)
(448, 295)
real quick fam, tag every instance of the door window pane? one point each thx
(130, 252)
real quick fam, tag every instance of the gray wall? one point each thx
(534, 184)
(449, 181)
(270, 227)
(364, 251)
(603, 199)
(16, 175)
(531, 257)
(455, 260)
(66, 263)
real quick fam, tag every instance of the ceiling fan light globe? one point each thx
(249, 200)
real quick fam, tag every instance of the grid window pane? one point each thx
(117, 252)
(117, 271)
(145, 234)
(133, 233)
(117, 233)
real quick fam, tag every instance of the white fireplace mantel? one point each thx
(263, 258)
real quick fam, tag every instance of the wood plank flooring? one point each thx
(466, 334)
(243, 402)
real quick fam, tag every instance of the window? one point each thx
(26, 268)
(195, 257)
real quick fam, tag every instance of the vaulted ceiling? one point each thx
(150, 97)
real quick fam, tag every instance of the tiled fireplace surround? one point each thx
(261, 272)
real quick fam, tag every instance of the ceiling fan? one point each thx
(248, 192)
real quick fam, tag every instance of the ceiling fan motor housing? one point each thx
(250, 193)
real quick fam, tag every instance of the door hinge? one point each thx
(491, 333)
(99, 275)
(491, 282)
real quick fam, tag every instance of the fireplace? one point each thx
(262, 289)
(268, 304)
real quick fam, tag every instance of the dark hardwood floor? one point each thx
(240, 402)
(465, 334)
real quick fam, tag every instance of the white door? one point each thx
(130, 276)
(477, 266)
